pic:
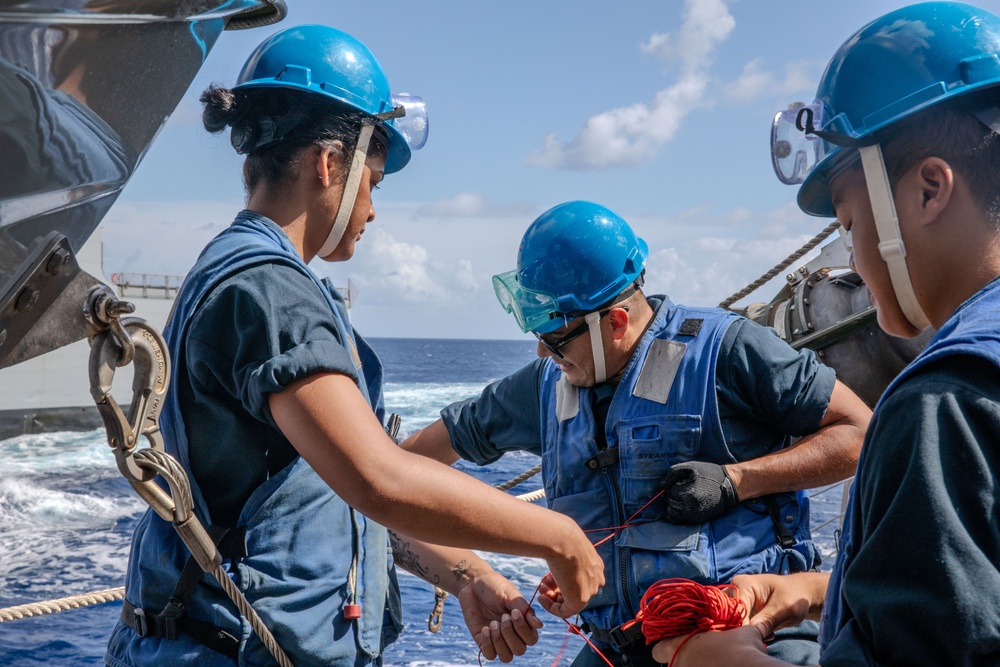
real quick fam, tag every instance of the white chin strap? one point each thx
(354, 173)
(593, 321)
(890, 244)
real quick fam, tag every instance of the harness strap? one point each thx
(618, 637)
(172, 622)
(603, 459)
(173, 619)
(785, 537)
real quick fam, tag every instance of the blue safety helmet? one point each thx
(899, 64)
(573, 259)
(329, 62)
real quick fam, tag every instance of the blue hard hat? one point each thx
(573, 259)
(899, 64)
(329, 62)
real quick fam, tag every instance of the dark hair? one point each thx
(952, 133)
(315, 121)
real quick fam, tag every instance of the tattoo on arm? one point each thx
(409, 561)
(460, 570)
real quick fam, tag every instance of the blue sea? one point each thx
(67, 515)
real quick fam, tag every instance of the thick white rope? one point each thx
(62, 604)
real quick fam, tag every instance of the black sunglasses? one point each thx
(554, 346)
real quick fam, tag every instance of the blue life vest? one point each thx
(974, 328)
(664, 411)
(301, 537)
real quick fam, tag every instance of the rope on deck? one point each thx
(62, 604)
(526, 475)
(784, 264)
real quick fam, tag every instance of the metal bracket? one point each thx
(47, 271)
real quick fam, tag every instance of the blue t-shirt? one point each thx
(766, 391)
(257, 332)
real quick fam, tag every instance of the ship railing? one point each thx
(166, 286)
(147, 285)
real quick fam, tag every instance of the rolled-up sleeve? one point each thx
(504, 417)
(262, 330)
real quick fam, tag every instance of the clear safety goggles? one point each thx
(413, 125)
(795, 149)
(530, 308)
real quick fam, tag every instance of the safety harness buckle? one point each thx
(141, 627)
(623, 637)
(170, 619)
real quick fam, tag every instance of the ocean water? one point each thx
(67, 515)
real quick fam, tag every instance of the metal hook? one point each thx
(149, 388)
(434, 621)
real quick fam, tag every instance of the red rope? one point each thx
(676, 607)
(574, 629)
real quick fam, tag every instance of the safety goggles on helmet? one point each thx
(795, 147)
(553, 345)
(413, 124)
(531, 308)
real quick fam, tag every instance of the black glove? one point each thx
(697, 492)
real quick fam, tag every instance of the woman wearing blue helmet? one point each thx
(902, 145)
(276, 408)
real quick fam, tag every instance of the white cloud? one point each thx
(388, 269)
(703, 266)
(707, 23)
(631, 135)
(473, 205)
(755, 81)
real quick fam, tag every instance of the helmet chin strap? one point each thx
(593, 321)
(890, 245)
(354, 173)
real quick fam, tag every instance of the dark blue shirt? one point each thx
(256, 333)
(923, 587)
(766, 391)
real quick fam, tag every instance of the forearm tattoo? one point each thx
(461, 570)
(409, 561)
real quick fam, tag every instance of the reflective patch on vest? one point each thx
(355, 357)
(659, 370)
(567, 400)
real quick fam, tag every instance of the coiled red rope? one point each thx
(676, 607)
(671, 607)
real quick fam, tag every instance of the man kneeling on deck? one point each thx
(633, 394)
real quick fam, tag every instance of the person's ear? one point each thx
(934, 184)
(618, 320)
(328, 162)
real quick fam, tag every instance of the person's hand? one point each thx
(697, 492)
(577, 573)
(548, 591)
(711, 649)
(498, 616)
(775, 600)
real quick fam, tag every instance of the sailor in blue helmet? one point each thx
(902, 145)
(276, 409)
(633, 394)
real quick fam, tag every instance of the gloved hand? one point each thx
(697, 491)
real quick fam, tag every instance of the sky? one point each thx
(658, 109)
